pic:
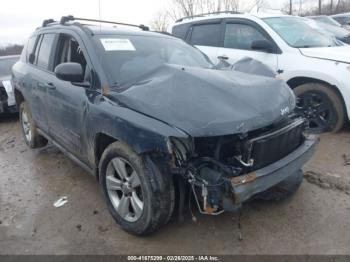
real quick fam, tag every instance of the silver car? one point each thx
(7, 98)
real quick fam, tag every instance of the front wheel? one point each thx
(321, 106)
(139, 196)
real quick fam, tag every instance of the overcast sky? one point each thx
(18, 18)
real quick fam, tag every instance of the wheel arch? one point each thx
(103, 139)
(300, 80)
(18, 97)
(101, 142)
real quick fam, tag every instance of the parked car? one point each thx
(7, 98)
(314, 65)
(338, 32)
(343, 19)
(325, 19)
(142, 110)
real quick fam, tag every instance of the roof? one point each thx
(343, 14)
(105, 30)
(97, 30)
(312, 16)
(228, 15)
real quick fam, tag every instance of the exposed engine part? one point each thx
(206, 210)
(181, 151)
(211, 186)
(215, 166)
(250, 162)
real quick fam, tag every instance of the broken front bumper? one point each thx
(248, 185)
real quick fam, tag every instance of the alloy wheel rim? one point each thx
(26, 126)
(317, 109)
(124, 189)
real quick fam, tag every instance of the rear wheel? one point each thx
(29, 130)
(321, 106)
(139, 195)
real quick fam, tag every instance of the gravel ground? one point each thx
(314, 221)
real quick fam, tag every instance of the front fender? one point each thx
(142, 133)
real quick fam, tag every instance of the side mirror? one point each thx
(262, 45)
(72, 72)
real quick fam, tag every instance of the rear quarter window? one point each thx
(206, 35)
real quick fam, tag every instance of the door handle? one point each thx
(48, 85)
(223, 57)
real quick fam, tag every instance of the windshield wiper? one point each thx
(304, 46)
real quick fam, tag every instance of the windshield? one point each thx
(298, 33)
(337, 31)
(344, 20)
(6, 65)
(125, 58)
(326, 19)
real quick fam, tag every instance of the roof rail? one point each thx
(68, 18)
(201, 15)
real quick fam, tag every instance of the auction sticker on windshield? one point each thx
(117, 44)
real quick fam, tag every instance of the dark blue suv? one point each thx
(150, 116)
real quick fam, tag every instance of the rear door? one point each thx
(206, 36)
(238, 37)
(40, 78)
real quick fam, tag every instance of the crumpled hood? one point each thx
(337, 53)
(207, 102)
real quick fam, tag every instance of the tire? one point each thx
(154, 188)
(322, 106)
(29, 130)
(283, 190)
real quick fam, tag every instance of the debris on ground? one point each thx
(95, 212)
(102, 229)
(346, 160)
(61, 201)
(327, 181)
(78, 227)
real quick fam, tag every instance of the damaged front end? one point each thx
(225, 171)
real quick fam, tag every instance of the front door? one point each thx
(237, 41)
(68, 101)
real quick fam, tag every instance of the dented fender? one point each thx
(142, 133)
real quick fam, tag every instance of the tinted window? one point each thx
(344, 20)
(241, 36)
(45, 50)
(30, 47)
(69, 50)
(36, 51)
(206, 35)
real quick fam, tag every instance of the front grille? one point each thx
(274, 145)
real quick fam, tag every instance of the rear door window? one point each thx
(46, 46)
(206, 35)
